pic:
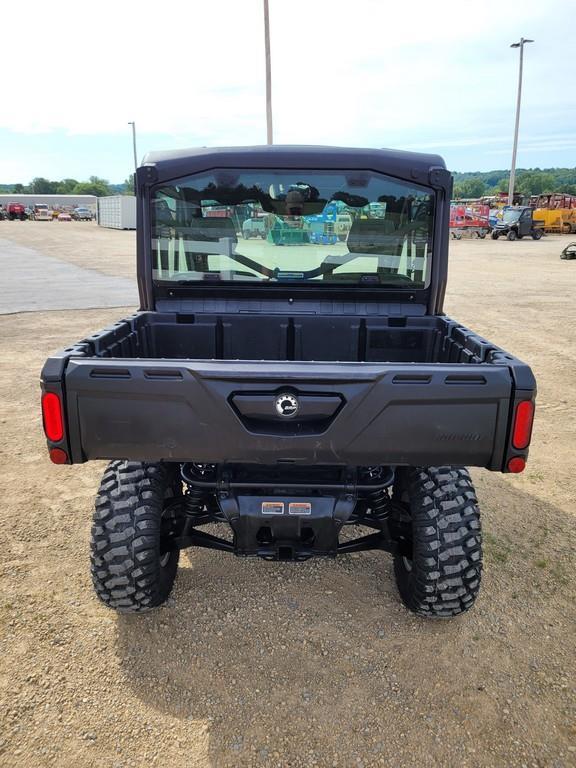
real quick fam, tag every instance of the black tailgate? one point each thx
(348, 413)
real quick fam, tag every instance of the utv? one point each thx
(517, 223)
(304, 401)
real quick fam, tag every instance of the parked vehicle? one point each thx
(329, 226)
(254, 227)
(42, 212)
(471, 219)
(517, 223)
(557, 220)
(295, 396)
(64, 216)
(16, 211)
(82, 214)
(569, 252)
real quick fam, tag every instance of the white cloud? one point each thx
(418, 74)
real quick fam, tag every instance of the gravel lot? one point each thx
(315, 664)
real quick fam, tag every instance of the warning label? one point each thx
(300, 508)
(272, 507)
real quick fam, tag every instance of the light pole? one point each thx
(515, 146)
(268, 74)
(134, 146)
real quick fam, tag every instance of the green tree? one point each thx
(469, 188)
(41, 186)
(66, 186)
(94, 186)
(129, 185)
(19, 189)
(534, 183)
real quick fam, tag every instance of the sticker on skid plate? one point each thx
(272, 507)
(299, 508)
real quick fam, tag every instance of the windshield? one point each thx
(354, 227)
(510, 217)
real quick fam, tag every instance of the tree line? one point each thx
(94, 186)
(471, 184)
(532, 181)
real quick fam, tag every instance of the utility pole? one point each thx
(269, 139)
(134, 147)
(520, 45)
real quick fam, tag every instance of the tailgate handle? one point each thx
(262, 407)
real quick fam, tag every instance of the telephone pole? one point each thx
(269, 139)
(134, 147)
(520, 45)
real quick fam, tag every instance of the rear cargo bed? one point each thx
(413, 391)
(417, 339)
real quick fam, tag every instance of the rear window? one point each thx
(273, 226)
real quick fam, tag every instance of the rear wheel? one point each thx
(512, 235)
(495, 235)
(537, 234)
(131, 571)
(441, 578)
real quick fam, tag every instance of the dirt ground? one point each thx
(314, 664)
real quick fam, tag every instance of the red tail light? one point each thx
(523, 424)
(52, 415)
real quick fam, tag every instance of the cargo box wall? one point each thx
(165, 336)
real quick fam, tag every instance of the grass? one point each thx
(496, 549)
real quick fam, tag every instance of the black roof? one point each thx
(412, 166)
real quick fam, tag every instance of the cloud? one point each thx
(417, 75)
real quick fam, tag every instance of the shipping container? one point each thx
(117, 212)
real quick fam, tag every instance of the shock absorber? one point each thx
(378, 500)
(199, 502)
(194, 499)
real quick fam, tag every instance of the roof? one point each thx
(176, 163)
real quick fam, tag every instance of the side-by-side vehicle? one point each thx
(290, 395)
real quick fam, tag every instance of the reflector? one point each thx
(517, 464)
(52, 416)
(58, 456)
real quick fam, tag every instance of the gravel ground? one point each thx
(314, 664)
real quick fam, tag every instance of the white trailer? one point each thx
(117, 212)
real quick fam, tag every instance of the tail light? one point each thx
(52, 417)
(523, 420)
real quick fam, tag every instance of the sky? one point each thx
(436, 76)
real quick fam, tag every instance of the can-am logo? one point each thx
(286, 405)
